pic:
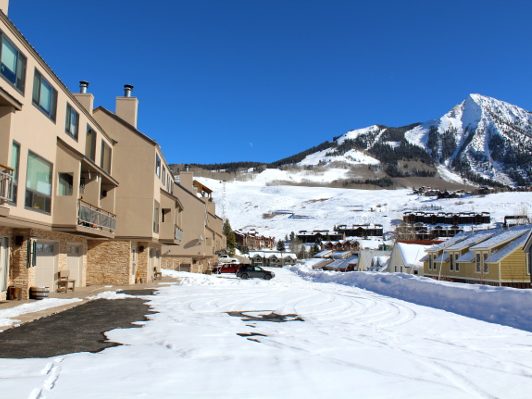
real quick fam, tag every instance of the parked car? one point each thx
(227, 259)
(226, 268)
(248, 271)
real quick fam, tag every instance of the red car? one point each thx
(226, 268)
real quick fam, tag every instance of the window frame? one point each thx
(20, 57)
(158, 165)
(30, 208)
(68, 119)
(16, 170)
(156, 221)
(103, 147)
(59, 174)
(52, 113)
(90, 132)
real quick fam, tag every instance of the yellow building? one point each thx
(494, 257)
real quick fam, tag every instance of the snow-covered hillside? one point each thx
(481, 139)
(277, 210)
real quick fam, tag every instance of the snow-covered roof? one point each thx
(341, 254)
(323, 254)
(451, 241)
(343, 263)
(411, 254)
(507, 249)
(503, 237)
(473, 239)
(466, 258)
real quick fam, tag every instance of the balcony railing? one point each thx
(6, 184)
(178, 234)
(94, 217)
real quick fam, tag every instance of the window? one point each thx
(157, 165)
(106, 157)
(44, 96)
(451, 266)
(15, 159)
(71, 122)
(38, 184)
(156, 217)
(90, 144)
(456, 264)
(430, 262)
(163, 177)
(486, 266)
(65, 184)
(477, 263)
(12, 63)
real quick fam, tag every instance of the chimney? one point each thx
(127, 106)
(4, 5)
(86, 99)
(186, 180)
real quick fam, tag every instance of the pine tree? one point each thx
(280, 246)
(231, 239)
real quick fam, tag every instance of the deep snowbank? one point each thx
(501, 305)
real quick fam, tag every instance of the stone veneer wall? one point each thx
(22, 276)
(109, 262)
(196, 266)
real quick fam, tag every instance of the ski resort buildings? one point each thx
(83, 192)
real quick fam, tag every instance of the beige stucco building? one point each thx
(148, 211)
(57, 188)
(203, 233)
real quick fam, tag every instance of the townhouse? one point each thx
(149, 213)
(203, 237)
(495, 257)
(84, 195)
(57, 187)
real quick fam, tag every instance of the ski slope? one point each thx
(246, 202)
(351, 343)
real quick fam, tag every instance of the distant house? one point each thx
(342, 264)
(407, 258)
(373, 259)
(253, 240)
(360, 230)
(272, 258)
(494, 257)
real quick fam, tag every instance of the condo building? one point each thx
(84, 195)
(57, 188)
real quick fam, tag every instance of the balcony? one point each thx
(6, 184)
(96, 219)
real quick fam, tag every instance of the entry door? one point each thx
(75, 262)
(134, 261)
(46, 268)
(4, 263)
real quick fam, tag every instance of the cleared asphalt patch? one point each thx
(80, 329)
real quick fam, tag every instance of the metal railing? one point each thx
(178, 234)
(6, 184)
(94, 217)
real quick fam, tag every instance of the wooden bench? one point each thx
(64, 283)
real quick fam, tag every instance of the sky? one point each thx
(255, 80)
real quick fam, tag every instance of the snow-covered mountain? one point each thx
(483, 139)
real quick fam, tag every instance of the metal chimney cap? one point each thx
(83, 85)
(128, 88)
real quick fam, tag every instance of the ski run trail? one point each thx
(337, 341)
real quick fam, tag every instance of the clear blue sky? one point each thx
(238, 80)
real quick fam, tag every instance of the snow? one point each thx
(270, 176)
(501, 305)
(245, 203)
(352, 342)
(411, 254)
(449, 176)
(503, 236)
(110, 295)
(8, 316)
(352, 157)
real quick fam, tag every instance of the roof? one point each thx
(473, 239)
(323, 254)
(343, 263)
(503, 237)
(499, 255)
(201, 186)
(411, 254)
(466, 258)
(451, 241)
